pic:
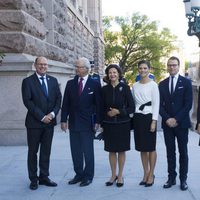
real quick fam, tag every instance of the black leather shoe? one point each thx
(33, 185)
(109, 183)
(169, 183)
(47, 182)
(75, 180)
(184, 185)
(85, 183)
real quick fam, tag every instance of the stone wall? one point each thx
(60, 30)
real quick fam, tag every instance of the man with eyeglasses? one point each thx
(42, 98)
(82, 99)
(175, 104)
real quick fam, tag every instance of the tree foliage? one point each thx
(137, 38)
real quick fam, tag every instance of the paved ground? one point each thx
(14, 182)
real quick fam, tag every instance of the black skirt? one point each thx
(116, 137)
(145, 141)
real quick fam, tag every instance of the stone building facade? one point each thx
(62, 31)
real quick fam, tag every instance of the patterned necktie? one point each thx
(172, 84)
(44, 86)
(80, 86)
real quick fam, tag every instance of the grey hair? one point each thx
(85, 61)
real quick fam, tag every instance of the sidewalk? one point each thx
(14, 183)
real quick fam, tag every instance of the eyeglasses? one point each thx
(172, 65)
(42, 64)
(79, 67)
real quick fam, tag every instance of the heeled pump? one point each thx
(120, 184)
(150, 184)
(109, 183)
(142, 183)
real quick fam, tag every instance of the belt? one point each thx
(145, 104)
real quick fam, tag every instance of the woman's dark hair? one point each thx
(113, 66)
(144, 62)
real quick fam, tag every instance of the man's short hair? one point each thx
(85, 61)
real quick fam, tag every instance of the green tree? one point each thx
(137, 38)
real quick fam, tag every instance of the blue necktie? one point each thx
(172, 84)
(44, 86)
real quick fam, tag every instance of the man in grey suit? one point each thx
(42, 98)
(82, 99)
(175, 105)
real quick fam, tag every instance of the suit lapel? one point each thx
(167, 86)
(87, 87)
(178, 84)
(75, 85)
(49, 85)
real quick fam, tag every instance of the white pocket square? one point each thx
(90, 92)
(180, 87)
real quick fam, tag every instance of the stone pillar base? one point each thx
(13, 137)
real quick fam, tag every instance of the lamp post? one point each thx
(192, 12)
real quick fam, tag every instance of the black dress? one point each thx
(117, 128)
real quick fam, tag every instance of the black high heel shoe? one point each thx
(109, 183)
(120, 184)
(150, 184)
(142, 183)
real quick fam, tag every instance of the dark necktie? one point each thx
(80, 86)
(44, 86)
(172, 84)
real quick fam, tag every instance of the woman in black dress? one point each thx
(118, 104)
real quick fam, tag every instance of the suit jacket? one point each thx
(198, 109)
(80, 109)
(120, 98)
(37, 103)
(178, 104)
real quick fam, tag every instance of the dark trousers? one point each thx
(39, 139)
(170, 135)
(82, 151)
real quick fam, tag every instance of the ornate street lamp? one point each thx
(192, 12)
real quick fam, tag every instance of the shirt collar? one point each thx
(39, 76)
(175, 76)
(84, 78)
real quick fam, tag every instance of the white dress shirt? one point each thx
(85, 78)
(174, 82)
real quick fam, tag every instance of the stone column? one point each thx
(93, 8)
(48, 21)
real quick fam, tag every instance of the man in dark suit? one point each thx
(41, 96)
(82, 98)
(175, 105)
